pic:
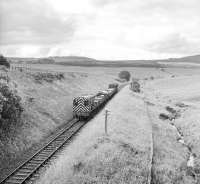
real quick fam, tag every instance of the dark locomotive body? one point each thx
(87, 105)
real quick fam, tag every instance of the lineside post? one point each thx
(106, 121)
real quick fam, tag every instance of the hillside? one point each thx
(55, 59)
(189, 61)
(47, 104)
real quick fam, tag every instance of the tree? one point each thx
(124, 75)
(4, 61)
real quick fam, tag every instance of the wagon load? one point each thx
(104, 93)
(111, 91)
(98, 100)
(113, 85)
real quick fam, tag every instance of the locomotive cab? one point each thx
(82, 106)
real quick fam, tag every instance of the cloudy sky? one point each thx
(102, 29)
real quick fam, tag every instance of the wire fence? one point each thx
(31, 69)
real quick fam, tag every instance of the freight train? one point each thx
(87, 105)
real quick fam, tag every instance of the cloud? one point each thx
(106, 2)
(176, 44)
(132, 29)
(33, 22)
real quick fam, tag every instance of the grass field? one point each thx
(48, 105)
(170, 92)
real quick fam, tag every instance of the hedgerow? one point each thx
(40, 77)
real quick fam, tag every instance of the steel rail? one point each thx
(24, 172)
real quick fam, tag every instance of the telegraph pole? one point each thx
(106, 121)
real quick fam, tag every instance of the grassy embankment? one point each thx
(47, 104)
(170, 151)
(93, 157)
(123, 156)
(169, 156)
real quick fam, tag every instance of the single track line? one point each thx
(25, 171)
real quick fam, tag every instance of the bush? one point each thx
(4, 78)
(39, 77)
(4, 61)
(10, 109)
(124, 75)
(135, 85)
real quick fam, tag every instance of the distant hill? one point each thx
(77, 60)
(188, 59)
(86, 61)
(53, 60)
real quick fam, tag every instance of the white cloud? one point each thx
(176, 44)
(105, 29)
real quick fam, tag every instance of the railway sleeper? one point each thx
(55, 146)
(57, 141)
(49, 149)
(11, 180)
(43, 153)
(60, 140)
(30, 167)
(38, 159)
(43, 158)
(30, 163)
(21, 174)
(25, 170)
(19, 177)
(35, 162)
(52, 146)
(46, 152)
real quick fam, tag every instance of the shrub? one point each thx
(39, 77)
(152, 77)
(124, 75)
(10, 109)
(4, 61)
(164, 116)
(135, 85)
(4, 78)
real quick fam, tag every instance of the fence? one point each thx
(31, 69)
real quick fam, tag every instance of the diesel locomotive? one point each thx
(87, 105)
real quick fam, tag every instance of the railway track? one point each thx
(27, 172)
